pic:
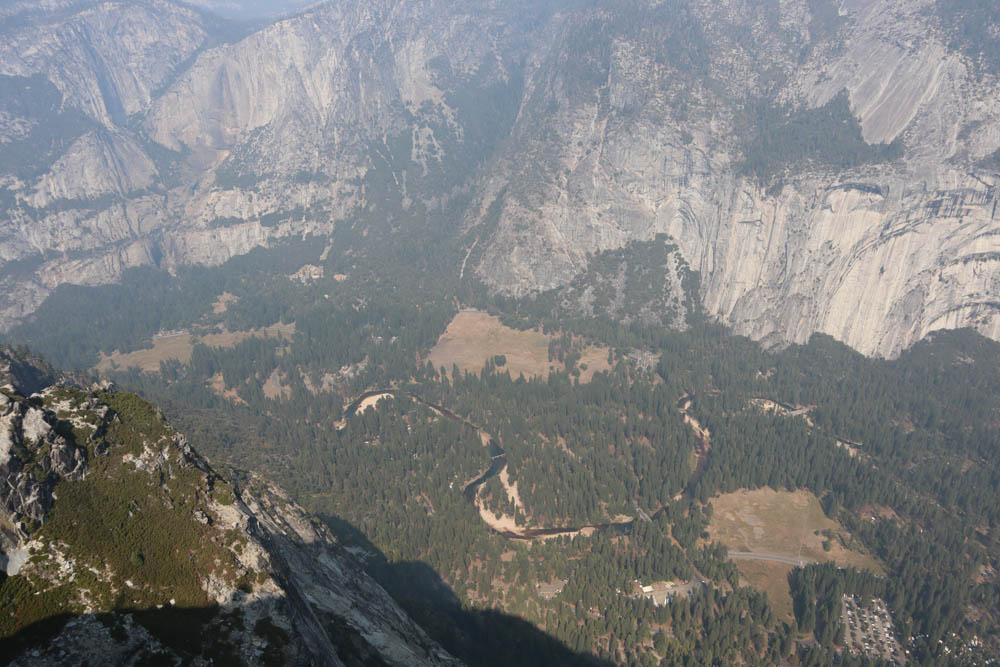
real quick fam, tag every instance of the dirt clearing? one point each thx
(221, 304)
(371, 401)
(218, 385)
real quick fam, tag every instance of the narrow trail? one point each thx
(461, 273)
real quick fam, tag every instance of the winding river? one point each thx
(498, 461)
(703, 445)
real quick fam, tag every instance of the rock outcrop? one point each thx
(122, 545)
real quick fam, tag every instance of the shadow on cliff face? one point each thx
(235, 636)
(176, 635)
(170, 635)
(475, 636)
(135, 636)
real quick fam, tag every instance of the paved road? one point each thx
(749, 555)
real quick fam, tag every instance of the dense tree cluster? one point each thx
(828, 137)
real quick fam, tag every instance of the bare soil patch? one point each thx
(511, 489)
(504, 523)
(232, 338)
(164, 348)
(699, 455)
(218, 385)
(371, 401)
(275, 386)
(499, 522)
(221, 304)
(767, 405)
(595, 359)
(852, 449)
(474, 337)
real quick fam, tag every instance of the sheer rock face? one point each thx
(624, 129)
(97, 164)
(875, 256)
(108, 58)
(270, 583)
(27, 491)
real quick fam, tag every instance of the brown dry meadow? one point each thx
(474, 337)
(179, 347)
(782, 523)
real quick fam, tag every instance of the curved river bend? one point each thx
(498, 461)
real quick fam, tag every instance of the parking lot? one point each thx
(869, 631)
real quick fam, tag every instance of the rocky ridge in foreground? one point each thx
(122, 545)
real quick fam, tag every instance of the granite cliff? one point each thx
(557, 131)
(876, 255)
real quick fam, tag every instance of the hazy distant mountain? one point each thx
(825, 166)
(249, 9)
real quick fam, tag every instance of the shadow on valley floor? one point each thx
(476, 636)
